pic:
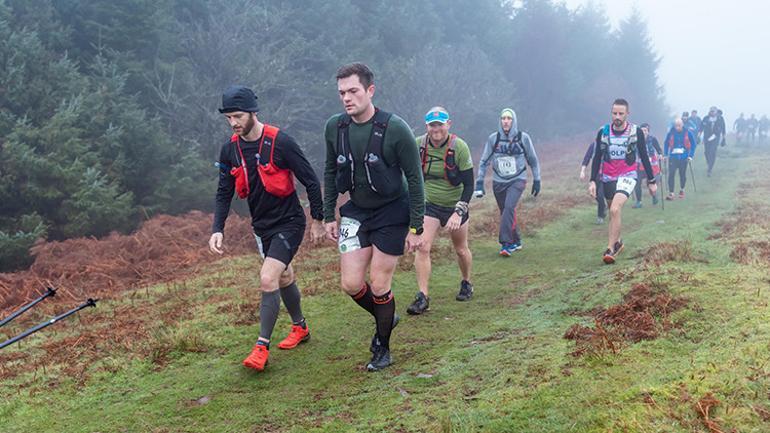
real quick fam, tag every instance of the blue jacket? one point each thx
(680, 145)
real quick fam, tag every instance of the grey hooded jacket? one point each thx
(523, 152)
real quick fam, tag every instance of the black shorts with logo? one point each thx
(442, 213)
(385, 227)
(281, 243)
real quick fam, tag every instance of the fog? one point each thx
(713, 52)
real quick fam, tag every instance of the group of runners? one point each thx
(401, 191)
(751, 130)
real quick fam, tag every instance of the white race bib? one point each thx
(348, 240)
(677, 151)
(506, 166)
(625, 184)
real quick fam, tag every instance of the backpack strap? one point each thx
(235, 139)
(269, 133)
(377, 137)
(343, 142)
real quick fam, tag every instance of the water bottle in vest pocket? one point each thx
(382, 179)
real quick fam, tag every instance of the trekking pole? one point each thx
(20, 311)
(663, 182)
(692, 175)
(89, 303)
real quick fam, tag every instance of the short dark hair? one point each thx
(365, 75)
(621, 101)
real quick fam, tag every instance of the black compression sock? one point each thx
(365, 299)
(384, 310)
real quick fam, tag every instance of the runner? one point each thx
(601, 204)
(752, 124)
(654, 151)
(259, 163)
(617, 147)
(448, 172)
(713, 132)
(679, 150)
(739, 126)
(368, 154)
(509, 151)
(698, 124)
(764, 127)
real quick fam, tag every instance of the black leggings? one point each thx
(673, 166)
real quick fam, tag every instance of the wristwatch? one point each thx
(415, 231)
(460, 212)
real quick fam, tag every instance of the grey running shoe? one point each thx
(466, 291)
(599, 220)
(376, 341)
(420, 304)
(380, 359)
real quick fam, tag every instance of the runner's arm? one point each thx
(597, 162)
(668, 140)
(296, 161)
(641, 147)
(656, 145)
(409, 161)
(532, 159)
(692, 144)
(330, 171)
(589, 154)
(225, 190)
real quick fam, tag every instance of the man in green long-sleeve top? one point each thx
(373, 156)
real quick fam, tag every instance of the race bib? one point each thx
(259, 246)
(677, 151)
(712, 137)
(348, 240)
(506, 166)
(625, 184)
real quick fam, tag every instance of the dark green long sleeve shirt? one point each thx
(399, 147)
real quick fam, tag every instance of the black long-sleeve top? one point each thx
(267, 210)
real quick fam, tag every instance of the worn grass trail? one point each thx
(496, 364)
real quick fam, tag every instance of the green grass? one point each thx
(496, 364)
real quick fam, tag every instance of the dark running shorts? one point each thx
(442, 213)
(385, 227)
(626, 187)
(281, 244)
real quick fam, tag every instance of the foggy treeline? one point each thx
(108, 108)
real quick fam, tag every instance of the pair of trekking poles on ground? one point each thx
(664, 181)
(49, 292)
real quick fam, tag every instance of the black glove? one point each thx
(536, 188)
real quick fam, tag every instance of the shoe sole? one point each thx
(287, 347)
(608, 259)
(254, 366)
(505, 254)
(415, 313)
(457, 298)
(370, 368)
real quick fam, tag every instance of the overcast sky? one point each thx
(715, 52)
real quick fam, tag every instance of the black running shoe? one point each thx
(466, 291)
(376, 341)
(380, 359)
(420, 304)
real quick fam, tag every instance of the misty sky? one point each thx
(715, 52)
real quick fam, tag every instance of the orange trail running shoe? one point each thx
(297, 335)
(257, 360)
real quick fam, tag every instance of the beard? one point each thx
(248, 126)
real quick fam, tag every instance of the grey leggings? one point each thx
(507, 196)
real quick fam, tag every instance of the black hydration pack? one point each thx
(451, 170)
(382, 179)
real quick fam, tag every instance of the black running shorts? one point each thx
(281, 243)
(442, 213)
(385, 227)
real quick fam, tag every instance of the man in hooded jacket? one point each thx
(508, 151)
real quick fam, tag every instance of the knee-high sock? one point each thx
(384, 310)
(291, 298)
(268, 313)
(364, 298)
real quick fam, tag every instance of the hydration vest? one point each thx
(687, 144)
(611, 149)
(277, 181)
(451, 170)
(516, 148)
(382, 179)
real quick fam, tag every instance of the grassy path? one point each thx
(496, 364)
